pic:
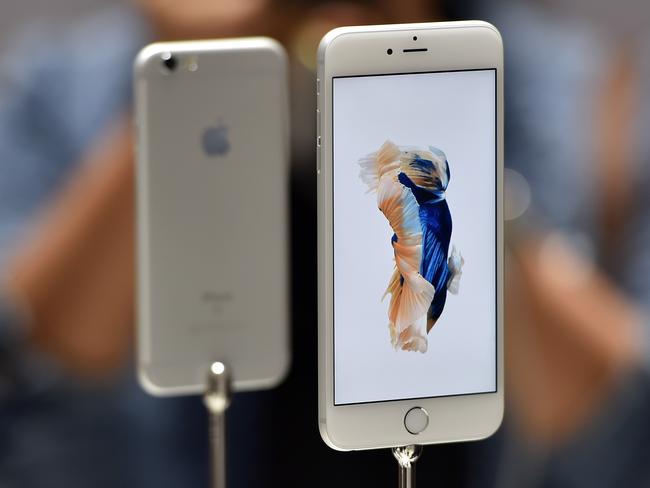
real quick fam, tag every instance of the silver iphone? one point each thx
(212, 183)
(410, 282)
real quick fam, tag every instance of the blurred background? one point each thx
(578, 252)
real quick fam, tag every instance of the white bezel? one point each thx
(350, 51)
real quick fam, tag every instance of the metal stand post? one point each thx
(216, 399)
(406, 457)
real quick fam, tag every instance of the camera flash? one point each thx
(192, 64)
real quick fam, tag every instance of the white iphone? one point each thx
(212, 183)
(410, 282)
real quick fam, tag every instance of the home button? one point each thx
(416, 420)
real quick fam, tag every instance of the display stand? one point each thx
(216, 399)
(406, 457)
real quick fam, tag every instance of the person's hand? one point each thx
(75, 274)
(570, 334)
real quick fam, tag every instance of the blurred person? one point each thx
(70, 411)
(578, 277)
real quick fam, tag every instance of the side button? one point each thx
(318, 141)
(318, 161)
(317, 128)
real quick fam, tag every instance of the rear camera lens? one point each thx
(169, 61)
(389, 51)
(415, 38)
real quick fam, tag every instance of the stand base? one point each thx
(406, 457)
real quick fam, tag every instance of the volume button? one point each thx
(318, 142)
(318, 160)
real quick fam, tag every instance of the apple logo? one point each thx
(215, 140)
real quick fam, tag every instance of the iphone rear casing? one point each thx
(212, 173)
